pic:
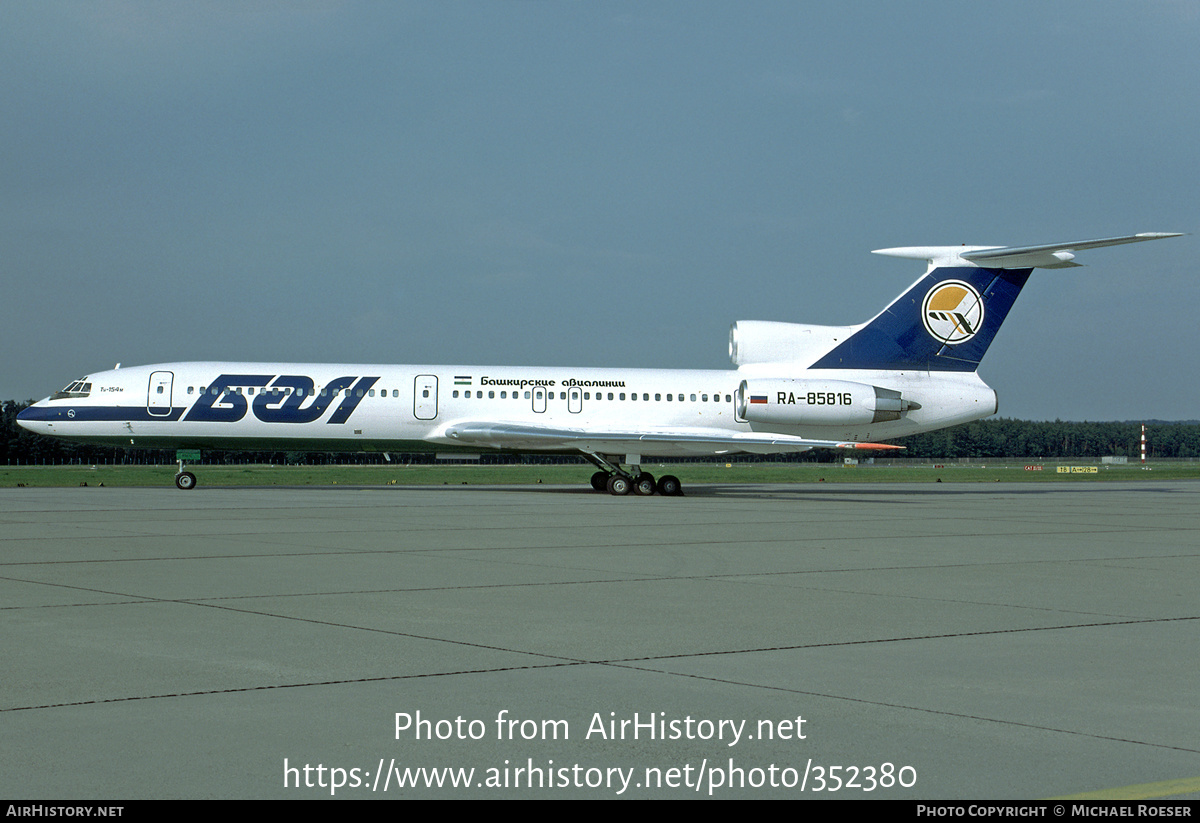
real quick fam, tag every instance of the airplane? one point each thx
(912, 368)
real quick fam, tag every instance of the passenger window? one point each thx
(693, 398)
(492, 395)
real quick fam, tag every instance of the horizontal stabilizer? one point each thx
(1052, 256)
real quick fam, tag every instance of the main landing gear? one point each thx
(616, 481)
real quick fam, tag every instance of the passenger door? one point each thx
(158, 395)
(425, 404)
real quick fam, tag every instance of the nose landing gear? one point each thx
(185, 480)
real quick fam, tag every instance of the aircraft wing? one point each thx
(700, 441)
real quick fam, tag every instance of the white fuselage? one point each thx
(356, 407)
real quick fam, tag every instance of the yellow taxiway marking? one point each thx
(1142, 791)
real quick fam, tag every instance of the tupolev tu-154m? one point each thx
(912, 368)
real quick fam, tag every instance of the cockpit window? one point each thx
(76, 389)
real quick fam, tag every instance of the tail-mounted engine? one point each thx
(766, 341)
(818, 402)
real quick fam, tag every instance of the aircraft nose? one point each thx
(30, 417)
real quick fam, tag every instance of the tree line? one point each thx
(992, 438)
(1007, 437)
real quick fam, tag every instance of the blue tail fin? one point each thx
(945, 322)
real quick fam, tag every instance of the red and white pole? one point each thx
(1143, 444)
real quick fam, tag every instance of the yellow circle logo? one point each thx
(952, 312)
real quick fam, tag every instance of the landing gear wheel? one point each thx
(600, 481)
(669, 486)
(618, 485)
(644, 484)
(185, 481)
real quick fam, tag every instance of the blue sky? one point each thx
(591, 184)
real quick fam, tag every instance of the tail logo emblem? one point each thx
(952, 312)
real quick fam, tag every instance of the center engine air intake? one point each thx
(818, 402)
(766, 341)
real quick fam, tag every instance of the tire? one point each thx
(185, 481)
(618, 485)
(669, 486)
(644, 485)
(600, 481)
